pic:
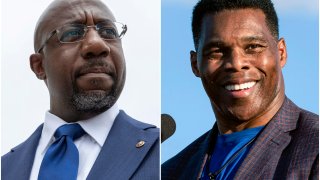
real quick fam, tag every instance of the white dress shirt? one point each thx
(89, 145)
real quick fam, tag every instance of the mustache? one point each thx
(96, 65)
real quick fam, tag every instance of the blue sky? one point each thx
(182, 94)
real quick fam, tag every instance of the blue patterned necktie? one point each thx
(61, 160)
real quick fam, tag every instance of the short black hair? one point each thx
(204, 7)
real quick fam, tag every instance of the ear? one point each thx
(36, 65)
(282, 48)
(194, 63)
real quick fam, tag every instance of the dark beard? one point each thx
(93, 102)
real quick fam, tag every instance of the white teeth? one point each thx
(236, 87)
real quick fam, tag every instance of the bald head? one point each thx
(61, 12)
(86, 77)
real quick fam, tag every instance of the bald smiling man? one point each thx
(79, 56)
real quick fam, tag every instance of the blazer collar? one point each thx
(274, 138)
(210, 141)
(119, 156)
(200, 154)
(270, 143)
(23, 154)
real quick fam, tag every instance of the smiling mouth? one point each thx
(239, 87)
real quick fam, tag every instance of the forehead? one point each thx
(61, 11)
(234, 23)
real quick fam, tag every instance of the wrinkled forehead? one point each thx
(61, 12)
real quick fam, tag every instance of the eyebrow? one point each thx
(253, 38)
(213, 43)
(97, 21)
(217, 42)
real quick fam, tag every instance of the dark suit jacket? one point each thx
(119, 157)
(287, 148)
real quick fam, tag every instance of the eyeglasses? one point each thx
(72, 33)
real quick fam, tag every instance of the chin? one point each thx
(242, 113)
(93, 101)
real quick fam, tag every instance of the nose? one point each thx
(93, 45)
(236, 62)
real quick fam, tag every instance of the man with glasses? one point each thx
(79, 56)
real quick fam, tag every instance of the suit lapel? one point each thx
(264, 155)
(21, 158)
(119, 157)
(195, 164)
(199, 157)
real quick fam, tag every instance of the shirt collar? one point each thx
(97, 127)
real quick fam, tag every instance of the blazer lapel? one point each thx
(119, 157)
(21, 158)
(196, 164)
(264, 155)
(199, 157)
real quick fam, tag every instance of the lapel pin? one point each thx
(140, 144)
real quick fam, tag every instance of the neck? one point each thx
(227, 125)
(74, 116)
(70, 114)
